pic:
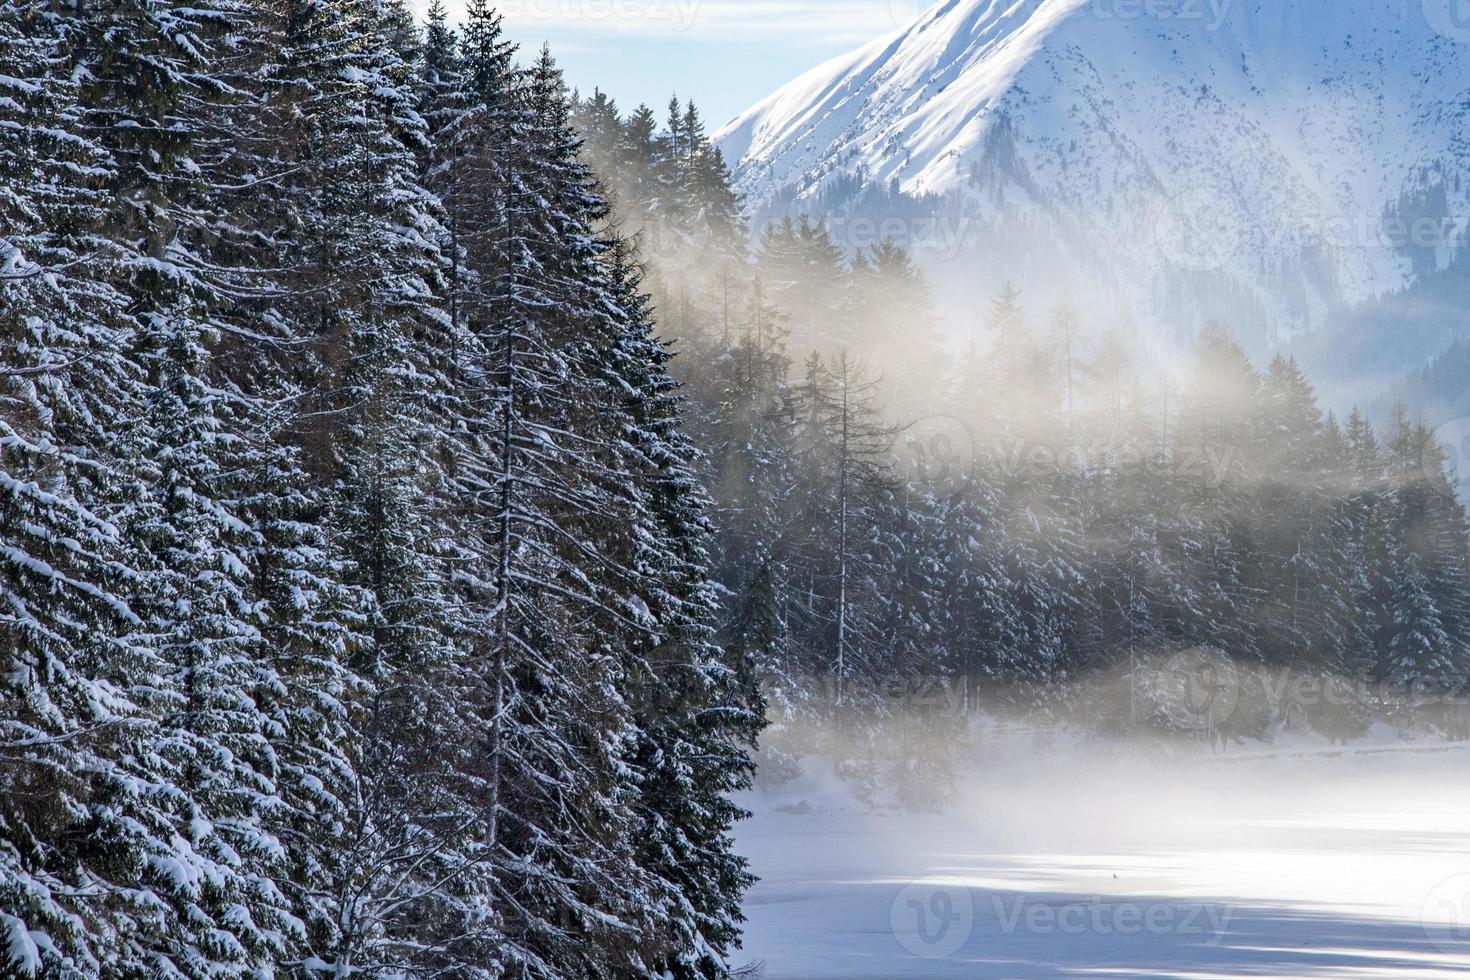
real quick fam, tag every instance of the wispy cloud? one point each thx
(725, 54)
(810, 23)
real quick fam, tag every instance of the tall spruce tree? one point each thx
(77, 815)
(153, 88)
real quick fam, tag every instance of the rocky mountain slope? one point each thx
(1157, 162)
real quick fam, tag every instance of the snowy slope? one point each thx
(1103, 864)
(1261, 160)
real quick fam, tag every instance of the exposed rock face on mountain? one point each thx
(1157, 162)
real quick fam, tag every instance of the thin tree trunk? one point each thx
(502, 598)
(842, 541)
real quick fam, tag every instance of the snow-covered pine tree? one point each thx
(1431, 524)
(845, 496)
(1287, 486)
(690, 231)
(697, 713)
(453, 173)
(216, 746)
(532, 495)
(758, 648)
(985, 642)
(567, 884)
(415, 897)
(1338, 645)
(1215, 484)
(1132, 582)
(151, 91)
(1357, 512)
(915, 629)
(1418, 647)
(308, 623)
(336, 269)
(641, 155)
(567, 447)
(745, 433)
(75, 814)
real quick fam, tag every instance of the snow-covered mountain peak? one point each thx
(1261, 160)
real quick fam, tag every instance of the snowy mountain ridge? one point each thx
(1262, 162)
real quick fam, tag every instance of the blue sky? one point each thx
(725, 54)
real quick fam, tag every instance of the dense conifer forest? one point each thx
(420, 488)
(356, 616)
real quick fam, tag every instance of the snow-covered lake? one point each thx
(1098, 865)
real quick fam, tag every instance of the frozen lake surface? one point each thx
(1339, 864)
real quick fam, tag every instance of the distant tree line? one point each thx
(1044, 504)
